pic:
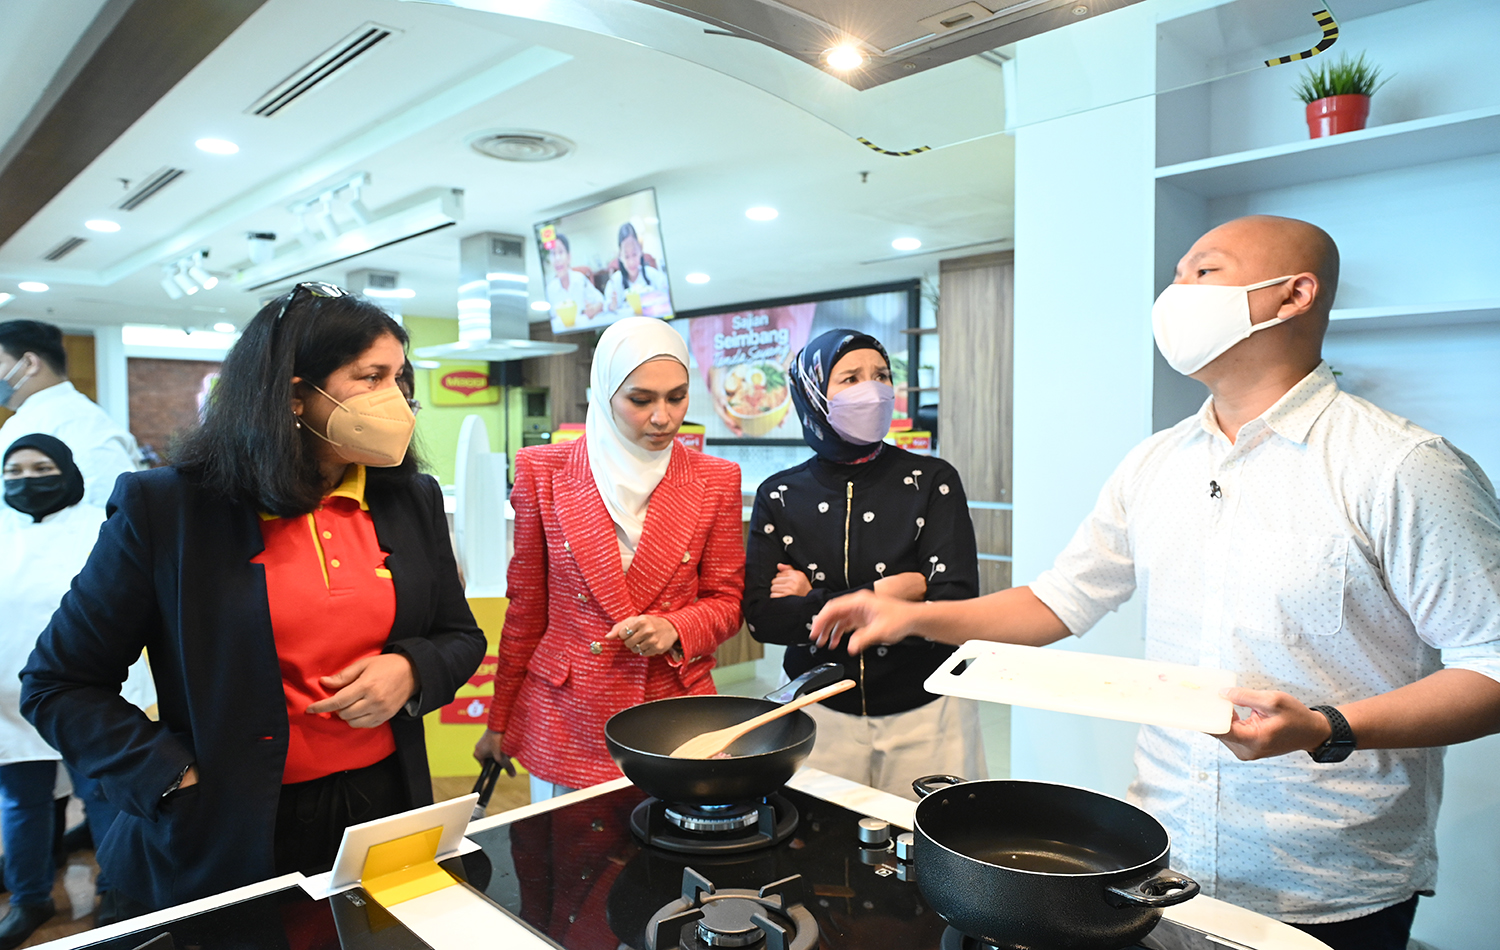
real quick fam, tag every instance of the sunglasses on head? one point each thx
(318, 288)
(315, 288)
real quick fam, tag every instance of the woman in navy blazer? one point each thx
(177, 571)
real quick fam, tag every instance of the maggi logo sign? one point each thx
(465, 382)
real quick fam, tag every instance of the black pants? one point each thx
(312, 816)
(1386, 929)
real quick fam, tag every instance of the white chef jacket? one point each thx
(102, 450)
(38, 561)
(1334, 552)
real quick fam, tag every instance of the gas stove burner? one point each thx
(713, 818)
(714, 829)
(704, 918)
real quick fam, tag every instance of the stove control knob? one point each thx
(874, 832)
(906, 846)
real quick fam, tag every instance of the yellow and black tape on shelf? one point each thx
(1330, 36)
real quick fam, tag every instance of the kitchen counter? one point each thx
(451, 917)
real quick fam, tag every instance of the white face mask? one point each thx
(1195, 323)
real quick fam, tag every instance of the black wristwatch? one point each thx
(1340, 742)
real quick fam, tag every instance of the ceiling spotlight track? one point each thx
(419, 214)
(187, 275)
(316, 215)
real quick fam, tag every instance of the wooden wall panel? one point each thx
(566, 377)
(975, 388)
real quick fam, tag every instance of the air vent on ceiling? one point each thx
(521, 146)
(68, 246)
(147, 189)
(327, 65)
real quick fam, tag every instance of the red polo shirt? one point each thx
(332, 602)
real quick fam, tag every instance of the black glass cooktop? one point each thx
(283, 920)
(579, 878)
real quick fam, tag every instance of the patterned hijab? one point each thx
(809, 378)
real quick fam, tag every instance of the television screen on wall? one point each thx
(740, 354)
(605, 262)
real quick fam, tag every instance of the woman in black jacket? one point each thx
(865, 515)
(292, 581)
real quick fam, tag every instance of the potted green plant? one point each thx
(1338, 95)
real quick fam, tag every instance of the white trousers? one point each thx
(888, 752)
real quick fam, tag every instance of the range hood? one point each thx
(493, 304)
(896, 37)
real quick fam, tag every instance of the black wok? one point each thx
(1027, 865)
(641, 740)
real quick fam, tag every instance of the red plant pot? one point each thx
(1335, 115)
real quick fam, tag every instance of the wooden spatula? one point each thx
(710, 744)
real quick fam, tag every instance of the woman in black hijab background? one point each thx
(862, 514)
(45, 537)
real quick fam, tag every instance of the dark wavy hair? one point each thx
(249, 448)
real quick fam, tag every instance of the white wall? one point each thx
(112, 379)
(1083, 373)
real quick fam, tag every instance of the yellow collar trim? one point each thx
(353, 486)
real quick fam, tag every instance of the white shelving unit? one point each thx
(1384, 148)
(1414, 316)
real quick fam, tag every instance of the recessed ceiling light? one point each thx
(102, 226)
(33, 286)
(390, 293)
(906, 244)
(223, 328)
(217, 146)
(540, 305)
(844, 57)
(6, 298)
(697, 277)
(761, 213)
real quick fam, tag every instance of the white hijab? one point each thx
(625, 473)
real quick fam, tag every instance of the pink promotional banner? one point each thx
(744, 359)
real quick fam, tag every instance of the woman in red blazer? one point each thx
(627, 571)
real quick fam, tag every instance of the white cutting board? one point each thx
(1089, 684)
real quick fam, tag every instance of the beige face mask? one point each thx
(371, 428)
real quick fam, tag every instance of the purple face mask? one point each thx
(861, 414)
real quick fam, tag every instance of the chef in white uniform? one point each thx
(34, 383)
(45, 536)
(47, 530)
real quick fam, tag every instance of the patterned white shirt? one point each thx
(1334, 552)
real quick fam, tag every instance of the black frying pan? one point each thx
(641, 740)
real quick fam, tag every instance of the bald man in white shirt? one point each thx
(35, 366)
(1343, 561)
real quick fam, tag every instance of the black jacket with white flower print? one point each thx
(900, 512)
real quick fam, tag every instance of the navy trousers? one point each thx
(27, 818)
